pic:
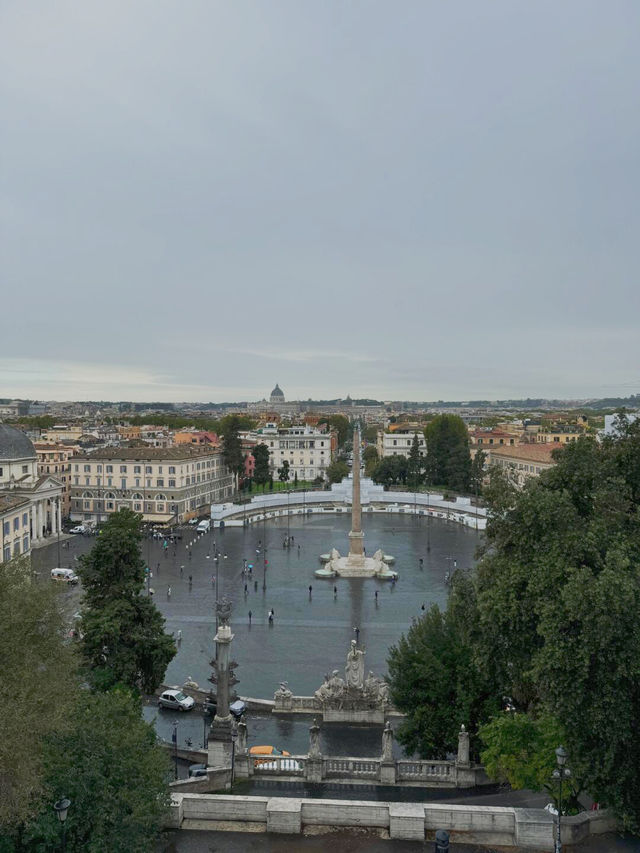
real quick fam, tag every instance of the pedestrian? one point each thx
(357, 633)
(250, 617)
(423, 607)
(335, 592)
(246, 589)
(292, 540)
(310, 590)
(189, 553)
(169, 592)
(255, 586)
(250, 569)
(225, 556)
(455, 564)
(271, 615)
(298, 550)
(213, 580)
(421, 562)
(181, 570)
(158, 567)
(190, 579)
(376, 596)
(179, 637)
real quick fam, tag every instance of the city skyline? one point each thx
(435, 205)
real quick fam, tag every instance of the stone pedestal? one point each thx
(284, 814)
(313, 769)
(388, 773)
(406, 820)
(220, 745)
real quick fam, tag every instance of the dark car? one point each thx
(197, 771)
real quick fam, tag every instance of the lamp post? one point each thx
(288, 520)
(560, 774)
(174, 738)
(61, 809)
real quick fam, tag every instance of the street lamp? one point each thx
(174, 738)
(560, 774)
(61, 809)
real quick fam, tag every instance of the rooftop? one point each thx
(135, 454)
(532, 452)
(10, 502)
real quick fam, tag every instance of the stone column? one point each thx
(53, 509)
(463, 747)
(387, 764)
(59, 513)
(220, 735)
(39, 519)
(34, 523)
(356, 537)
(313, 764)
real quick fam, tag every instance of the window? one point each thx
(147, 470)
(109, 469)
(7, 553)
(172, 484)
(137, 469)
(160, 482)
(123, 469)
(76, 481)
(109, 481)
(148, 482)
(76, 467)
(159, 469)
(123, 483)
(7, 528)
(25, 469)
(16, 524)
(16, 548)
(1, 472)
(109, 505)
(86, 468)
(25, 544)
(137, 481)
(137, 507)
(137, 496)
(160, 507)
(25, 519)
(99, 469)
(87, 481)
(172, 469)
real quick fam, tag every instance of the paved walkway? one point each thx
(190, 841)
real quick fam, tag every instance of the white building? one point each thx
(398, 443)
(307, 450)
(31, 505)
(164, 484)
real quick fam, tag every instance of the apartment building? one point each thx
(164, 484)
(398, 443)
(522, 461)
(308, 451)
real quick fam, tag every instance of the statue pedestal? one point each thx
(313, 769)
(367, 716)
(220, 746)
(388, 773)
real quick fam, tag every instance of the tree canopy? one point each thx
(232, 450)
(390, 471)
(124, 641)
(337, 471)
(261, 469)
(448, 461)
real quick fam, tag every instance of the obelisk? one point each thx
(356, 536)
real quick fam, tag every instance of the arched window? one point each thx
(160, 498)
(87, 494)
(110, 496)
(137, 496)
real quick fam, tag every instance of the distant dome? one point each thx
(15, 444)
(277, 396)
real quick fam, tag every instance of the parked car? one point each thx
(79, 528)
(238, 708)
(64, 575)
(176, 699)
(194, 521)
(197, 771)
(204, 526)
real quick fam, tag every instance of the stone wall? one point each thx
(531, 829)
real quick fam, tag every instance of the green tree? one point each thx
(390, 471)
(520, 749)
(283, 472)
(415, 464)
(232, 451)
(448, 461)
(341, 425)
(337, 471)
(261, 470)
(370, 459)
(434, 679)
(559, 593)
(37, 671)
(114, 773)
(124, 641)
(370, 433)
(477, 472)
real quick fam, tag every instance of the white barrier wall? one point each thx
(510, 827)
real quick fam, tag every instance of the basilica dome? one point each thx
(277, 395)
(14, 444)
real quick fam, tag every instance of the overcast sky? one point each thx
(414, 200)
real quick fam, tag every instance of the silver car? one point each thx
(176, 699)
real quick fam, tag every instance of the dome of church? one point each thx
(277, 395)
(14, 444)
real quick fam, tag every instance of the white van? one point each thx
(64, 575)
(204, 526)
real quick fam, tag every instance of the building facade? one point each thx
(15, 526)
(55, 459)
(163, 484)
(522, 461)
(308, 451)
(36, 498)
(398, 443)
